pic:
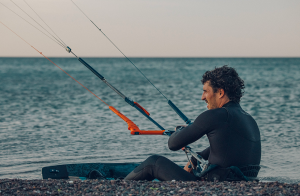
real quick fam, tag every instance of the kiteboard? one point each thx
(82, 171)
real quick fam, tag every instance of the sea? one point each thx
(46, 118)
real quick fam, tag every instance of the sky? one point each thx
(155, 28)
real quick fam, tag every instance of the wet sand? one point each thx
(121, 187)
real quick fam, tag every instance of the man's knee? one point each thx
(148, 163)
(152, 159)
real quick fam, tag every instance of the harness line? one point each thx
(171, 104)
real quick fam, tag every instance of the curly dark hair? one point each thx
(225, 78)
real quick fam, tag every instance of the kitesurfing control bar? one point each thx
(130, 102)
(134, 129)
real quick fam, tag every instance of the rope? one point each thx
(33, 25)
(53, 63)
(61, 41)
(36, 21)
(80, 9)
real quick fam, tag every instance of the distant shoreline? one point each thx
(121, 57)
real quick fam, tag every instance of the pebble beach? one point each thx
(131, 188)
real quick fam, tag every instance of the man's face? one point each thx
(209, 96)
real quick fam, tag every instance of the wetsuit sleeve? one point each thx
(204, 123)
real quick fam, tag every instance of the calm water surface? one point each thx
(47, 119)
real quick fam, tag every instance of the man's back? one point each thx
(237, 143)
(233, 135)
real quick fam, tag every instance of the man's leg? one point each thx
(160, 168)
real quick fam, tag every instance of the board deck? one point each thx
(109, 170)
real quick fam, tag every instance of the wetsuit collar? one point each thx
(230, 104)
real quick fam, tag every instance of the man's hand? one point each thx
(180, 127)
(188, 167)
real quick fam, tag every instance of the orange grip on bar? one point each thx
(139, 106)
(131, 125)
(147, 132)
(134, 129)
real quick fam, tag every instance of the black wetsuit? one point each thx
(234, 141)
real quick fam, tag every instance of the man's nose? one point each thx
(203, 97)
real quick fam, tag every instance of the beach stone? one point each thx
(113, 182)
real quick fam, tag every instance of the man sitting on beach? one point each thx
(234, 137)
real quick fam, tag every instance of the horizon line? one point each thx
(155, 57)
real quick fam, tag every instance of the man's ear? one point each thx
(221, 93)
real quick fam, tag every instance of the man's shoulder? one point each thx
(216, 111)
(214, 115)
